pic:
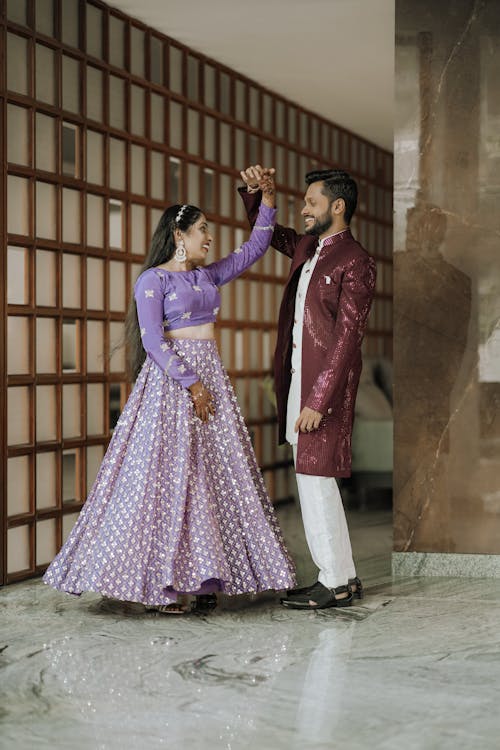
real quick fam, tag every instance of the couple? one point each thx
(179, 505)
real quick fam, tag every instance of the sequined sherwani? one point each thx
(337, 304)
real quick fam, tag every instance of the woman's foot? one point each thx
(320, 597)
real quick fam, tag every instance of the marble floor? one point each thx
(416, 666)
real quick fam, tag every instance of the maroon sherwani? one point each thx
(337, 304)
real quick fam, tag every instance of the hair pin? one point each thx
(179, 213)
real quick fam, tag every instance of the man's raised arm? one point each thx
(284, 239)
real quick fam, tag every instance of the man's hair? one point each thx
(336, 184)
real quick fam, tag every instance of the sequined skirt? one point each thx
(177, 505)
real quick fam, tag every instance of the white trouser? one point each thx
(325, 527)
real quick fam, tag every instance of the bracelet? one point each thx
(254, 189)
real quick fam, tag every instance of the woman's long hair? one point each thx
(161, 250)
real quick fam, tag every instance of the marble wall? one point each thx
(447, 277)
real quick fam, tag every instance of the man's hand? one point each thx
(255, 176)
(308, 420)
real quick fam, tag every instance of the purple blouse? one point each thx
(167, 300)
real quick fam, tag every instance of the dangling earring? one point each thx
(180, 252)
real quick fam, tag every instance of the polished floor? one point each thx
(416, 666)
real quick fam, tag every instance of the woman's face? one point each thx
(197, 240)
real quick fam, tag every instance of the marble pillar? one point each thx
(447, 286)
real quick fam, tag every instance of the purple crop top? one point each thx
(167, 300)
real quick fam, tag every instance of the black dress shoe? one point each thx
(320, 597)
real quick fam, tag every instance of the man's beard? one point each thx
(321, 224)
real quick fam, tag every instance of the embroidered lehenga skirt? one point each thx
(178, 505)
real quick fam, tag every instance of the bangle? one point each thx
(254, 189)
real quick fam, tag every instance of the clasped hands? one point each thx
(260, 178)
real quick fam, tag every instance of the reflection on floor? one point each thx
(417, 665)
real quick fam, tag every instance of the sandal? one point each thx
(320, 597)
(358, 592)
(303, 590)
(204, 603)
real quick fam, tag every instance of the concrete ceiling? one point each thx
(334, 57)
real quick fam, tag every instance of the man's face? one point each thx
(317, 211)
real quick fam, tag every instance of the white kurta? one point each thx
(293, 405)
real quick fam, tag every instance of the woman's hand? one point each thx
(268, 187)
(260, 178)
(202, 400)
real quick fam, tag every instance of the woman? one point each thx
(179, 505)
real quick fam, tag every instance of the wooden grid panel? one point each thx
(104, 123)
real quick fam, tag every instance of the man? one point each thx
(317, 365)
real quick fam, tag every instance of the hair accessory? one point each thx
(180, 254)
(179, 213)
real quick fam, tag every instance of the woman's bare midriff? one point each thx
(204, 331)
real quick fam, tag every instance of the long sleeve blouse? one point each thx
(167, 300)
